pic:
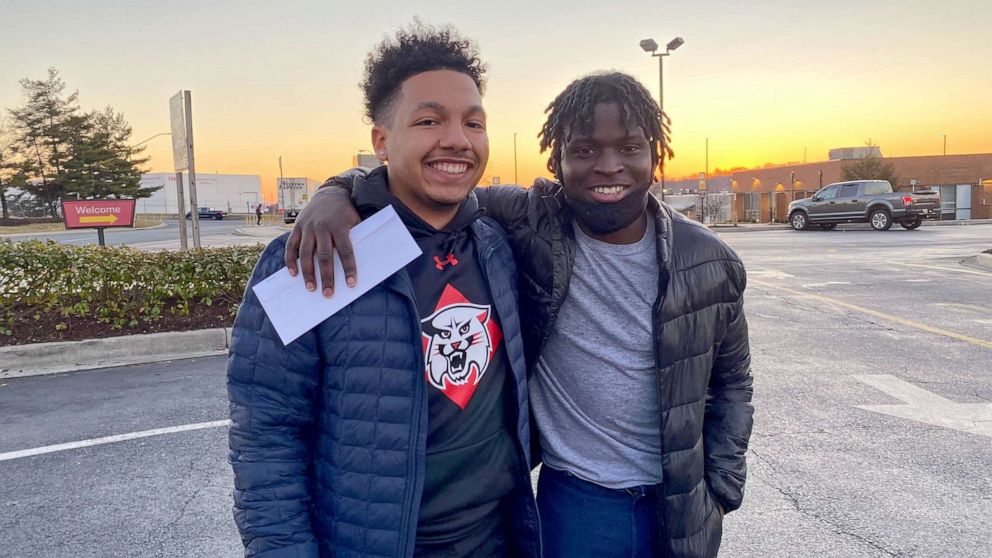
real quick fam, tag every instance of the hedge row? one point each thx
(118, 286)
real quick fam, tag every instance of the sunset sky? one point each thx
(762, 80)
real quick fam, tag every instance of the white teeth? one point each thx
(450, 168)
(608, 190)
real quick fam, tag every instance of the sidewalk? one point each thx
(263, 231)
(723, 227)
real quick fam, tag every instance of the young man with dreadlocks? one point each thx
(635, 334)
(398, 427)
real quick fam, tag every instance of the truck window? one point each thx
(873, 188)
(828, 193)
(849, 190)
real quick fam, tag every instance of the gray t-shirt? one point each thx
(594, 393)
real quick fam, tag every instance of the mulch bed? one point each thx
(43, 330)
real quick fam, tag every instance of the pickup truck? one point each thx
(206, 213)
(864, 201)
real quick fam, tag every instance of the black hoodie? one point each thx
(471, 456)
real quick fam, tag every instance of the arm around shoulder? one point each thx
(272, 390)
(507, 205)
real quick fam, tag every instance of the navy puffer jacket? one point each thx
(328, 433)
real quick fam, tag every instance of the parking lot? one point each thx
(872, 356)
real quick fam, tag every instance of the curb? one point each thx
(955, 223)
(984, 260)
(37, 359)
(111, 230)
(267, 231)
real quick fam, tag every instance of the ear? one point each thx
(483, 316)
(379, 135)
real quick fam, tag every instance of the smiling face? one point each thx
(435, 143)
(606, 175)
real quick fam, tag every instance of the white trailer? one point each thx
(294, 193)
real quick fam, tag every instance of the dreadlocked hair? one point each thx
(413, 50)
(572, 112)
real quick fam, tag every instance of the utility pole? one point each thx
(706, 175)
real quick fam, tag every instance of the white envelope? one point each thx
(382, 247)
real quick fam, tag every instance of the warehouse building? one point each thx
(231, 193)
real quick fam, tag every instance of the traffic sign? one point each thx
(98, 214)
(177, 119)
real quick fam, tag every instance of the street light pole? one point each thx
(649, 45)
(140, 143)
(945, 143)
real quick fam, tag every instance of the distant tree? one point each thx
(8, 170)
(41, 131)
(65, 152)
(871, 167)
(101, 163)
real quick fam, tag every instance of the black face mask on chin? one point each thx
(606, 218)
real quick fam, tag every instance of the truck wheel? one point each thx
(799, 221)
(912, 224)
(880, 219)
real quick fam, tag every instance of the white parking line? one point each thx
(111, 439)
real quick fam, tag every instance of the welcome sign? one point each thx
(98, 214)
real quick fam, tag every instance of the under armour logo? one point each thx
(439, 263)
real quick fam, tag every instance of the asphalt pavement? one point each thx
(872, 356)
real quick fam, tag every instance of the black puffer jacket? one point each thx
(702, 351)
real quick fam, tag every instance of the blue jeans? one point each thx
(579, 518)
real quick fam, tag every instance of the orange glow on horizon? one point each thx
(267, 81)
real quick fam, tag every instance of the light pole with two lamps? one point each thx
(649, 45)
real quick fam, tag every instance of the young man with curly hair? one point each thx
(634, 329)
(399, 426)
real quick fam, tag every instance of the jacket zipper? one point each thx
(559, 277)
(658, 329)
(415, 493)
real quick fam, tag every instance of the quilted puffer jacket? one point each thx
(328, 433)
(701, 347)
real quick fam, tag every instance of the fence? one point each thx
(735, 207)
(268, 219)
(709, 209)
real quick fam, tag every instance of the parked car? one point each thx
(864, 201)
(207, 213)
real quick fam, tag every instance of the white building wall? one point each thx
(233, 193)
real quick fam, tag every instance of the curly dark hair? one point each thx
(572, 111)
(413, 50)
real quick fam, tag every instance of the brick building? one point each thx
(964, 183)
